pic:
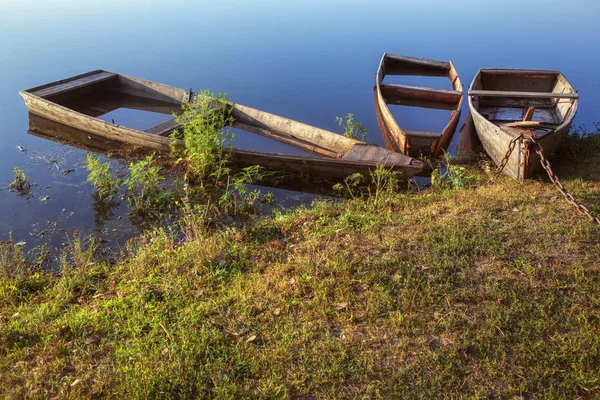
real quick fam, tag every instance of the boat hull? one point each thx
(331, 156)
(495, 137)
(416, 143)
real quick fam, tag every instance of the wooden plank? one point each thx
(75, 84)
(285, 128)
(469, 145)
(522, 124)
(521, 72)
(149, 89)
(529, 114)
(378, 155)
(164, 128)
(420, 93)
(443, 65)
(431, 135)
(392, 64)
(287, 139)
(391, 132)
(328, 168)
(528, 95)
(63, 115)
(521, 103)
(435, 105)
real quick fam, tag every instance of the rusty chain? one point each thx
(511, 147)
(530, 137)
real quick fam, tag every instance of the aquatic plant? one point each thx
(206, 137)
(20, 182)
(352, 128)
(101, 177)
(146, 192)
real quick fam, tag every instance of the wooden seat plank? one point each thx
(420, 93)
(432, 135)
(444, 65)
(75, 84)
(164, 128)
(528, 95)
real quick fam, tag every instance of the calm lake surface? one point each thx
(310, 61)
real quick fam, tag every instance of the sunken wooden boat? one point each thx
(329, 155)
(416, 143)
(506, 102)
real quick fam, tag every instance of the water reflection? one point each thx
(112, 219)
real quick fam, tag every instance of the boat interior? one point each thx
(425, 95)
(150, 107)
(513, 96)
(98, 94)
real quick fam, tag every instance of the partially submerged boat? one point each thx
(330, 156)
(506, 103)
(416, 143)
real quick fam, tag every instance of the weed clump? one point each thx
(206, 156)
(146, 192)
(101, 177)
(381, 183)
(452, 176)
(352, 129)
(20, 183)
(206, 137)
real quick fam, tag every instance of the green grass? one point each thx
(485, 292)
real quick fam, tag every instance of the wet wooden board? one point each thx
(469, 145)
(165, 128)
(518, 114)
(60, 88)
(530, 95)
(405, 65)
(420, 93)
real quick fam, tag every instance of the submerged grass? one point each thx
(490, 291)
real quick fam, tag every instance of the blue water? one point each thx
(309, 60)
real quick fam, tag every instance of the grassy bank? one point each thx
(490, 291)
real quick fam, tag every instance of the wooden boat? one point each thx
(415, 143)
(505, 102)
(330, 156)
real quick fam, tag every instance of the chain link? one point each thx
(529, 136)
(511, 147)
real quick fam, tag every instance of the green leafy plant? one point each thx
(206, 138)
(451, 176)
(352, 129)
(237, 197)
(206, 152)
(378, 185)
(351, 186)
(145, 190)
(384, 181)
(101, 177)
(20, 182)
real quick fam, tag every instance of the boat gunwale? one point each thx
(69, 111)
